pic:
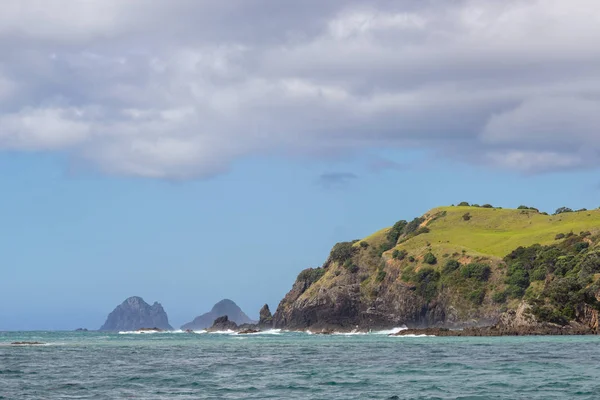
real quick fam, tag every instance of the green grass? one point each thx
(493, 232)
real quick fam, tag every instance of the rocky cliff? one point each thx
(224, 307)
(134, 314)
(457, 267)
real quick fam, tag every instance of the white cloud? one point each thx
(181, 89)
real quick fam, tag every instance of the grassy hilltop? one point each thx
(456, 264)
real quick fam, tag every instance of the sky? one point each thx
(188, 151)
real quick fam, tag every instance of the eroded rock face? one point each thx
(135, 314)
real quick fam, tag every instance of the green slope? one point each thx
(493, 232)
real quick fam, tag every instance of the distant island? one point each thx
(135, 314)
(224, 307)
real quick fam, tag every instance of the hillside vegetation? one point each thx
(456, 264)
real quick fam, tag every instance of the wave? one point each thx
(412, 335)
(392, 331)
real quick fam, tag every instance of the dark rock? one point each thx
(223, 324)
(81, 330)
(134, 314)
(247, 331)
(265, 317)
(223, 307)
(189, 331)
(155, 329)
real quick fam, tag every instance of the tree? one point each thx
(430, 258)
(463, 204)
(562, 210)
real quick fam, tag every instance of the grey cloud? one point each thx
(181, 89)
(331, 180)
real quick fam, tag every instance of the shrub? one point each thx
(478, 271)
(342, 251)
(559, 236)
(581, 246)
(380, 275)
(467, 217)
(411, 259)
(310, 275)
(413, 225)
(499, 297)
(427, 279)
(395, 231)
(450, 266)
(364, 245)
(487, 206)
(463, 204)
(399, 254)
(429, 258)
(477, 296)
(350, 266)
(538, 274)
(562, 210)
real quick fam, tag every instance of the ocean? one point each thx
(289, 365)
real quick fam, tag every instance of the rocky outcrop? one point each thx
(223, 324)
(340, 303)
(135, 314)
(265, 317)
(224, 307)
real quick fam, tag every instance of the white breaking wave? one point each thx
(412, 335)
(392, 331)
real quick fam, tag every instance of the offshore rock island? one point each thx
(135, 314)
(514, 271)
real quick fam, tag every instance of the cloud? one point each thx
(332, 180)
(516, 83)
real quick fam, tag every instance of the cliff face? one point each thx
(453, 268)
(224, 307)
(134, 314)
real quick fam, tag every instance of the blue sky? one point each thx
(223, 153)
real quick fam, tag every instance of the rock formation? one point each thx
(134, 314)
(265, 317)
(223, 307)
(223, 324)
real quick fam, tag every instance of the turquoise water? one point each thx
(91, 365)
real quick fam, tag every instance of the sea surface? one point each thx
(286, 365)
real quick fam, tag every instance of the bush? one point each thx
(342, 251)
(563, 210)
(538, 274)
(350, 266)
(364, 245)
(380, 275)
(310, 275)
(463, 204)
(427, 279)
(477, 296)
(450, 266)
(411, 259)
(429, 258)
(467, 217)
(478, 271)
(395, 231)
(559, 236)
(413, 225)
(399, 254)
(499, 297)
(487, 206)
